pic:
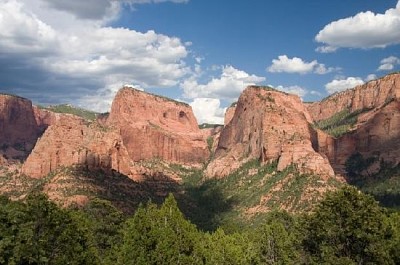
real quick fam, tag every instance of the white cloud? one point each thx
(88, 9)
(208, 110)
(388, 63)
(98, 9)
(296, 65)
(364, 30)
(228, 86)
(297, 90)
(315, 93)
(370, 77)
(326, 49)
(97, 58)
(338, 85)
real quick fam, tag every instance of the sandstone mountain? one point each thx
(268, 125)
(155, 127)
(273, 151)
(18, 128)
(369, 116)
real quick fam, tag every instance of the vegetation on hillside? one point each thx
(340, 123)
(383, 185)
(66, 108)
(231, 202)
(209, 125)
(347, 227)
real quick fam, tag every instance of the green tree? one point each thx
(348, 226)
(159, 236)
(394, 221)
(38, 232)
(229, 249)
(103, 222)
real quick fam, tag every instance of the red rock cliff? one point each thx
(370, 95)
(18, 128)
(268, 125)
(156, 127)
(71, 140)
(229, 114)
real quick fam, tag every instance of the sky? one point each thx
(202, 52)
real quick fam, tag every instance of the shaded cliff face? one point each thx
(368, 96)
(269, 126)
(376, 134)
(375, 131)
(155, 127)
(70, 140)
(18, 128)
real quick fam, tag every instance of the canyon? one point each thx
(145, 136)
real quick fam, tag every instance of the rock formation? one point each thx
(18, 128)
(71, 140)
(270, 126)
(156, 127)
(229, 113)
(376, 132)
(368, 96)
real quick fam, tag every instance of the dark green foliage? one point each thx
(348, 226)
(383, 185)
(159, 236)
(38, 232)
(103, 222)
(210, 142)
(227, 249)
(209, 125)
(356, 164)
(277, 240)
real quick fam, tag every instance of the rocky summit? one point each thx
(272, 146)
(268, 125)
(157, 127)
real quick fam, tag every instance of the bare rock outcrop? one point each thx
(73, 141)
(18, 128)
(229, 113)
(156, 127)
(376, 132)
(270, 126)
(368, 96)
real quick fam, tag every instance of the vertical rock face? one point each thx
(376, 132)
(376, 135)
(44, 118)
(229, 114)
(70, 140)
(156, 127)
(269, 126)
(18, 128)
(371, 95)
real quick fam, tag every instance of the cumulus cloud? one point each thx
(297, 90)
(82, 60)
(98, 9)
(296, 65)
(208, 110)
(228, 86)
(389, 63)
(88, 9)
(338, 85)
(370, 77)
(364, 30)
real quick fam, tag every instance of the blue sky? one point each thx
(203, 52)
